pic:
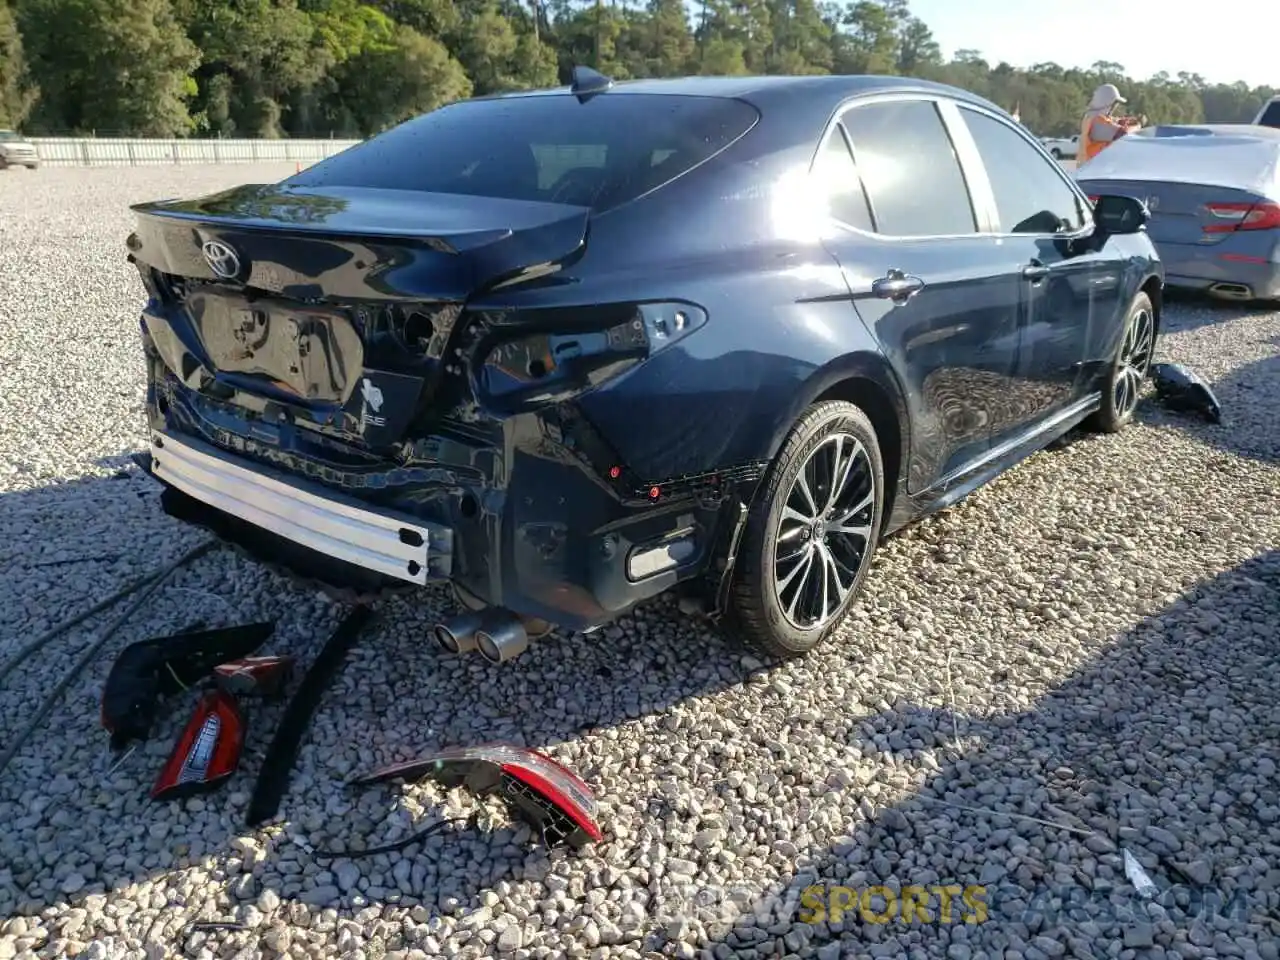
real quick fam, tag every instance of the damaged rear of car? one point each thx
(369, 372)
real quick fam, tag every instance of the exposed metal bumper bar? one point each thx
(323, 521)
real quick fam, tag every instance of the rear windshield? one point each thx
(598, 154)
(9, 135)
(1271, 115)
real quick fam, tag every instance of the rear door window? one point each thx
(910, 169)
(839, 184)
(547, 147)
(1031, 193)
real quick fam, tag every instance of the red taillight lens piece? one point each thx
(261, 676)
(1093, 200)
(555, 797)
(207, 752)
(552, 798)
(1243, 216)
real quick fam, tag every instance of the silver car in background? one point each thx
(1213, 191)
(17, 151)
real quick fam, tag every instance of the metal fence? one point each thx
(121, 152)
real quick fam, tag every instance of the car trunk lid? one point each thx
(1198, 189)
(337, 302)
(1184, 213)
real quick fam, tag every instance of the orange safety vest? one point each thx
(1089, 147)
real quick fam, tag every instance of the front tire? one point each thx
(811, 533)
(1129, 369)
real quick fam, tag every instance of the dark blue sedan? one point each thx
(569, 349)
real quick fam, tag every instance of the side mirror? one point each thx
(1120, 215)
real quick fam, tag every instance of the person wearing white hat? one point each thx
(1099, 128)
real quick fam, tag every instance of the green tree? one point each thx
(17, 95)
(268, 50)
(387, 84)
(301, 67)
(115, 65)
(666, 42)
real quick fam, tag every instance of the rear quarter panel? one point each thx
(780, 321)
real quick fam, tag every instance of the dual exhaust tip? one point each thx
(497, 634)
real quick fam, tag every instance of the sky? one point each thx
(1212, 39)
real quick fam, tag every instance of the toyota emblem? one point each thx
(222, 259)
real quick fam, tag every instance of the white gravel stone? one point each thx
(1091, 640)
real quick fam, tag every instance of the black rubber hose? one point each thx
(277, 765)
(86, 658)
(45, 639)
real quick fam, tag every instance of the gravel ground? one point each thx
(1091, 642)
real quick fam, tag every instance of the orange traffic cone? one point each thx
(298, 167)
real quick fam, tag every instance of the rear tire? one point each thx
(1056, 153)
(1129, 369)
(806, 550)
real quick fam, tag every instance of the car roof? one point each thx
(821, 93)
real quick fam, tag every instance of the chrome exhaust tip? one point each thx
(1231, 291)
(458, 634)
(502, 640)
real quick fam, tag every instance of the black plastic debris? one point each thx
(150, 670)
(277, 766)
(1184, 391)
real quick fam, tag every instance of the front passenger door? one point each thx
(1070, 291)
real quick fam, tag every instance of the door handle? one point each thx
(1035, 270)
(897, 286)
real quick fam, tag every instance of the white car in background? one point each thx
(16, 151)
(1062, 148)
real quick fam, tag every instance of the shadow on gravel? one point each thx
(1201, 310)
(1210, 662)
(1184, 777)
(67, 833)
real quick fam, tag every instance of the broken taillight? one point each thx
(207, 752)
(254, 676)
(552, 798)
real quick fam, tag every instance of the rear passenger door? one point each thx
(941, 297)
(1070, 291)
